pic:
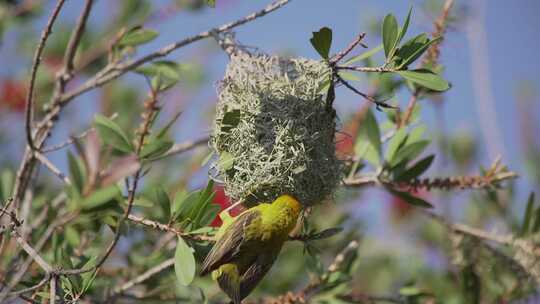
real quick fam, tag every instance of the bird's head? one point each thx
(290, 202)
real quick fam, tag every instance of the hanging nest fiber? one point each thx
(274, 133)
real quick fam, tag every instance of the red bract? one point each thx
(13, 95)
(346, 137)
(224, 202)
(400, 209)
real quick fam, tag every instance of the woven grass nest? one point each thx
(274, 133)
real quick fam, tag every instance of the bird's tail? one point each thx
(228, 279)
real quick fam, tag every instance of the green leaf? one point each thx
(155, 148)
(403, 30)
(409, 152)
(7, 179)
(417, 169)
(184, 263)
(72, 236)
(410, 52)
(162, 199)
(536, 224)
(327, 233)
(210, 3)
(417, 133)
(206, 198)
(389, 34)
(395, 143)
(426, 78)
(368, 143)
(89, 277)
(161, 134)
(321, 41)
(209, 214)
(525, 228)
(364, 55)
(182, 203)
(164, 73)
(226, 161)
(75, 172)
(230, 120)
(137, 36)
(413, 200)
(348, 76)
(100, 197)
(111, 134)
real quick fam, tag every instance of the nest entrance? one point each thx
(274, 133)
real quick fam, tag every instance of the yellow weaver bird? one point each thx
(248, 245)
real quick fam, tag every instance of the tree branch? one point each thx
(29, 113)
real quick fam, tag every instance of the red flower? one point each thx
(224, 202)
(13, 95)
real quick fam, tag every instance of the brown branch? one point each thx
(75, 39)
(304, 295)
(380, 69)
(21, 271)
(366, 298)
(492, 178)
(44, 128)
(336, 58)
(379, 104)
(41, 283)
(112, 72)
(29, 113)
(166, 228)
(52, 289)
(183, 147)
(32, 252)
(47, 163)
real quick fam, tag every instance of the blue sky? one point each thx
(512, 46)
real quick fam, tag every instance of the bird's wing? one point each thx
(258, 270)
(229, 244)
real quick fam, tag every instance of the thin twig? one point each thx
(379, 104)
(41, 283)
(66, 143)
(183, 147)
(112, 72)
(52, 296)
(47, 163)
(32, 252)
(159, 226)
(380, 69)
(75, 39)
(29, 113)
(336, 58)
(366, 298)
(144, 276)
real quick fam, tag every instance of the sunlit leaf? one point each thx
(137, 36)
(184, 263)
(364, 55)
(426, 78)
(389, 34)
